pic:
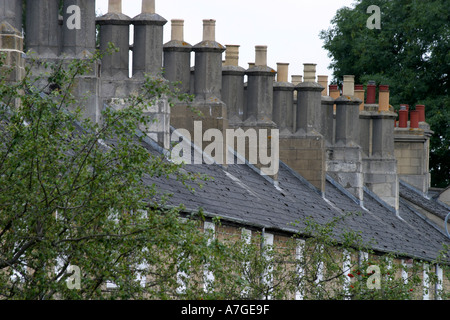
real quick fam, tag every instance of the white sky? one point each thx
(290, 28)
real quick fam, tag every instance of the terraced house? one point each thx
(338, 150)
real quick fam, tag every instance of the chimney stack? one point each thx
(177, 57)
(303, 147)
(309, 101)
(259, 108)
(42, 27)
(11, 12)
(208, 65)
(78, 42)
(283, 99)
(11, 44)
(148, 41)
(115, 28)
(233, 85)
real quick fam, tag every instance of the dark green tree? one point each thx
(410, 52)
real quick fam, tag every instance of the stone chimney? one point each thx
(259, 106)
(344, 159)
(208, 66)
(377, 142)
(11, 44)
(148, 41)
(177, 57)
(283, 99)
(43, 30)
(206, 84)
(412, 147)
(309, 101)
(258, 110)
(304, 149)
(11, 12)
(233, 85)
(115, 28)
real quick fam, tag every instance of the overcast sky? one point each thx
(290, 28)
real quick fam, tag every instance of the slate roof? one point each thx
(240, 194)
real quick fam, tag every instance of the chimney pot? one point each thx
(232, 55)
(209, 30)
(177, 30)
(261, 56)
(421, 109)
(323, 81)
(334, 91)
(414, 119)
(371, 92)
(309, 72)
(359, 93)
(403, 117)
(348, 87)
(383, 98)
(115, 6)
(148, 6)
(296, 79)
(282, 72)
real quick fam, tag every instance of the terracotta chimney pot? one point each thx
(414, 119)
(421, 109)
(371, 92)
(403, 117)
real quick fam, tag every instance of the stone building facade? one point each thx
(340, 150)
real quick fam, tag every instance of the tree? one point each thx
(71, 191)
(410, 52)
